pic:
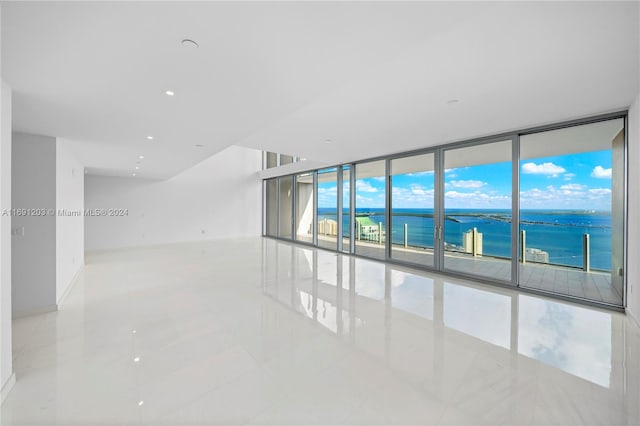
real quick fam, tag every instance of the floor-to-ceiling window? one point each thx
(541, 209)
(346, 217)
(477, 210)
(271, 206)
(328, 208)
(412, 209)
(304, 207)
(285, 212)
(370, 227)
(572, 211)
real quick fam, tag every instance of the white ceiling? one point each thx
(372, 77)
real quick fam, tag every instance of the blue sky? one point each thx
(577, 181)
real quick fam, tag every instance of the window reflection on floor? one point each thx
(381, 306)
(574, 339)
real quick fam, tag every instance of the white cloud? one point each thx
(467, 183)
(363, 200)
(601, 173)
(574, 196)
(419, 190)
(600, 191)
(400, 192)
(542, 169)
(475, 195)
(569, 176)
(573, 187)
(332, 190)
(476, 199)
(536, 194)
(363, 186)
(416, 196)
(463, 195)
(374, 201)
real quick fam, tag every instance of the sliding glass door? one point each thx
(271, 207)
(477, 210)
(542, 209)
(572, 211)
(346, 210)
(285, 197)
(304, 207)
(327, 226)
(412, 209)
(370, 227)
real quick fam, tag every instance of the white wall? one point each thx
(218, 198)
(7, 377)
(33, 251)
(633, 207)
(633, 245)
(69, 229)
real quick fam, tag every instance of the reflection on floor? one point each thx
(593, 285)
(257, 331)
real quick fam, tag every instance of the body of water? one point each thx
(557, 232)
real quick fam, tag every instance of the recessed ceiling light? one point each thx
(187, 42)
(136, 359)
(141, 157)
(133, 174)
(150, 138)
(169, 93)
(140, 403)
(137, 167)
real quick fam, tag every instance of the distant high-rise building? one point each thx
(470, 239)
(536, 255)
(367, 229)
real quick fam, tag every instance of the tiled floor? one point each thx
(593, 285)
(262, 332)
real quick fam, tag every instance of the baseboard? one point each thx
(7, 386)
(70, 286)
(35, 311)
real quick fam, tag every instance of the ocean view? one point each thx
(558, 232)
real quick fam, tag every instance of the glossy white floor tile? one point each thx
(256, 331)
